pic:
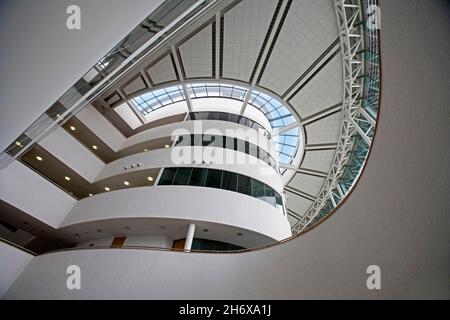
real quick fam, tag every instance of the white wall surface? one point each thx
(183, 202)
(101, 127)
(12, 262)
(71, 152)
(41, 58)
(31, 193)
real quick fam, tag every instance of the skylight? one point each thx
(277, 114)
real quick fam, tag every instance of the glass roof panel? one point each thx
(279, 116)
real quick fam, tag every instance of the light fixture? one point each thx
(150, 178)
(90, 194)
(107, 189)
(39, 158)
(126, 183)
(167, 146)
(94, 147)
(145, 150)
(67, 178)
(72, 128)
(18, 144)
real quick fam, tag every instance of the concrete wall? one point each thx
(13, 263)
(101, 127)
(71, 152)
(33, 194)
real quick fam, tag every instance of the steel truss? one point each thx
(359, 109)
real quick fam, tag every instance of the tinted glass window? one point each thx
(229, 143)
(213, 178)
(183, 141)
(242, 120)
(253, 150)
(244, 185)
(269, 195)
(192, 116)
(208, 140)
(234, 118)
(257, 189)
(223, 116)
(213, 116)
(167, 176)
(182, 176)
(240, 146)
(247, 147)
(278, 199)
(198, 177)
(201, 115)
(229, 181)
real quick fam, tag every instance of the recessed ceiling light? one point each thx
(39, 158)
(18, 144)
(90, 194)
(126, 183)
(94, 147)
(167, 146)
(107, 189)
(145, 150)
(67, 178)
(72, 128)
(150, 178)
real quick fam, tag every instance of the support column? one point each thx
(189, 237)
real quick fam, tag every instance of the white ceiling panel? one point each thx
(310, 28)
(325, 130)
(162, 71)
(307, 183)
(297, 204)
(245, 27)
(323, 91)
(136, 85)
(319, 160)
(196, 54)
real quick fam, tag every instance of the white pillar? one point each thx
(189, 237)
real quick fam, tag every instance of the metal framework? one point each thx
(360, 102)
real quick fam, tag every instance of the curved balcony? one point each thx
(192, 204)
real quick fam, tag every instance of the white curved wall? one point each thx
(184, 202)
(161, 158)
(17, 261)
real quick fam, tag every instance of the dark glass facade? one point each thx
(220, 179)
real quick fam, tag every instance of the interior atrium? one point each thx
(213, 135)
